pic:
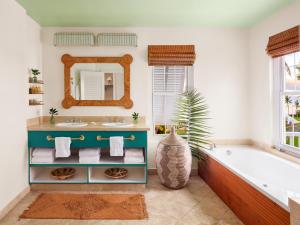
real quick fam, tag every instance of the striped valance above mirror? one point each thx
(116, 39)
(89, 39)
(74, 39)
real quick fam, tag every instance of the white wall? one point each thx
(260, 71)
(220, 71)
(20, 49)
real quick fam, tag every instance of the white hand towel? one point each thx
(42, 159)
(134, 152)
(134, 159)
(89, 159)
(89, 152)
(116, 146)
(62, 147)
(42, 152)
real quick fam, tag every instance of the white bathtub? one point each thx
(277, 178)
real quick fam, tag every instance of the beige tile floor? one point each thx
(196, 204)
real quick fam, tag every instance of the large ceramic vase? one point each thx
(173, 161)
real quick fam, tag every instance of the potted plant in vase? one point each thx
(53, 112)
(35, 73)
(135, 117)
(191, 116)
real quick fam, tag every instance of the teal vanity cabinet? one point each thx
(40, 173)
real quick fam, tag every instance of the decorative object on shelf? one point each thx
(37, 82)
(35, 73)
(191, 117)
(135, 117)
(63, 173)
(35, 90)
(35, 102)
(116, 39)
(173, 161)
(74, 39)
(116, 173)
(53, 112)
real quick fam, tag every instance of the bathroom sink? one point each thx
(71, 124)
(117, 124)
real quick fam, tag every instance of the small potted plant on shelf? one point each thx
(53, 112)
(35, 73)
(135, 117)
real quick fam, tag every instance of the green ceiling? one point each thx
(151, 13)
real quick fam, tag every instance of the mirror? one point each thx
(97, 81)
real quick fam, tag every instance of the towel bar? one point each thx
(131, 138)
(81, 138)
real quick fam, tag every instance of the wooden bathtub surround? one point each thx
(124, 61)
(294, 205)
(250, 205)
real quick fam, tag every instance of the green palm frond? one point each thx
(191, 116)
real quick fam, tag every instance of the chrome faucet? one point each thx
(212, 146)
(73, 120)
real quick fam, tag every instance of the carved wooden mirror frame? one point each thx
(70, 101)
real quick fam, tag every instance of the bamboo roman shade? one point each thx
(171, 55)
(284, 43)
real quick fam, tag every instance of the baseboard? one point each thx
(13, 202)
(82, 188)
(153, 171)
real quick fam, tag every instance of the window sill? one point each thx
(283, 153)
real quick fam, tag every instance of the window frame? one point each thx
(190, 85)
(279, 95)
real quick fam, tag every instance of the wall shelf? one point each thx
(38, 82)
(35, 104)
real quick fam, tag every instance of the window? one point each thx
(168, 83)
(289, 101)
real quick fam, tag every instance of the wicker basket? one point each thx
(63, 173)
(173, 161)
(116, 173)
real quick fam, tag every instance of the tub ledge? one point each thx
(294, 205)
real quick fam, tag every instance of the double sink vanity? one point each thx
(88, 132)
(91, 81)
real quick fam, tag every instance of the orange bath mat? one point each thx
(87, 207)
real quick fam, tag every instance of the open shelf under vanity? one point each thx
(87, 173)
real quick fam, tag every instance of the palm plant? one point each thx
(192, 114)
(288, 100)
(297, 103)
(135, 117)
(35, 73)
(53, 112)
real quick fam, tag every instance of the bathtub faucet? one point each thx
(212, 146)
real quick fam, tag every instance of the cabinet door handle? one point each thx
(131, 138)
(80, 138)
